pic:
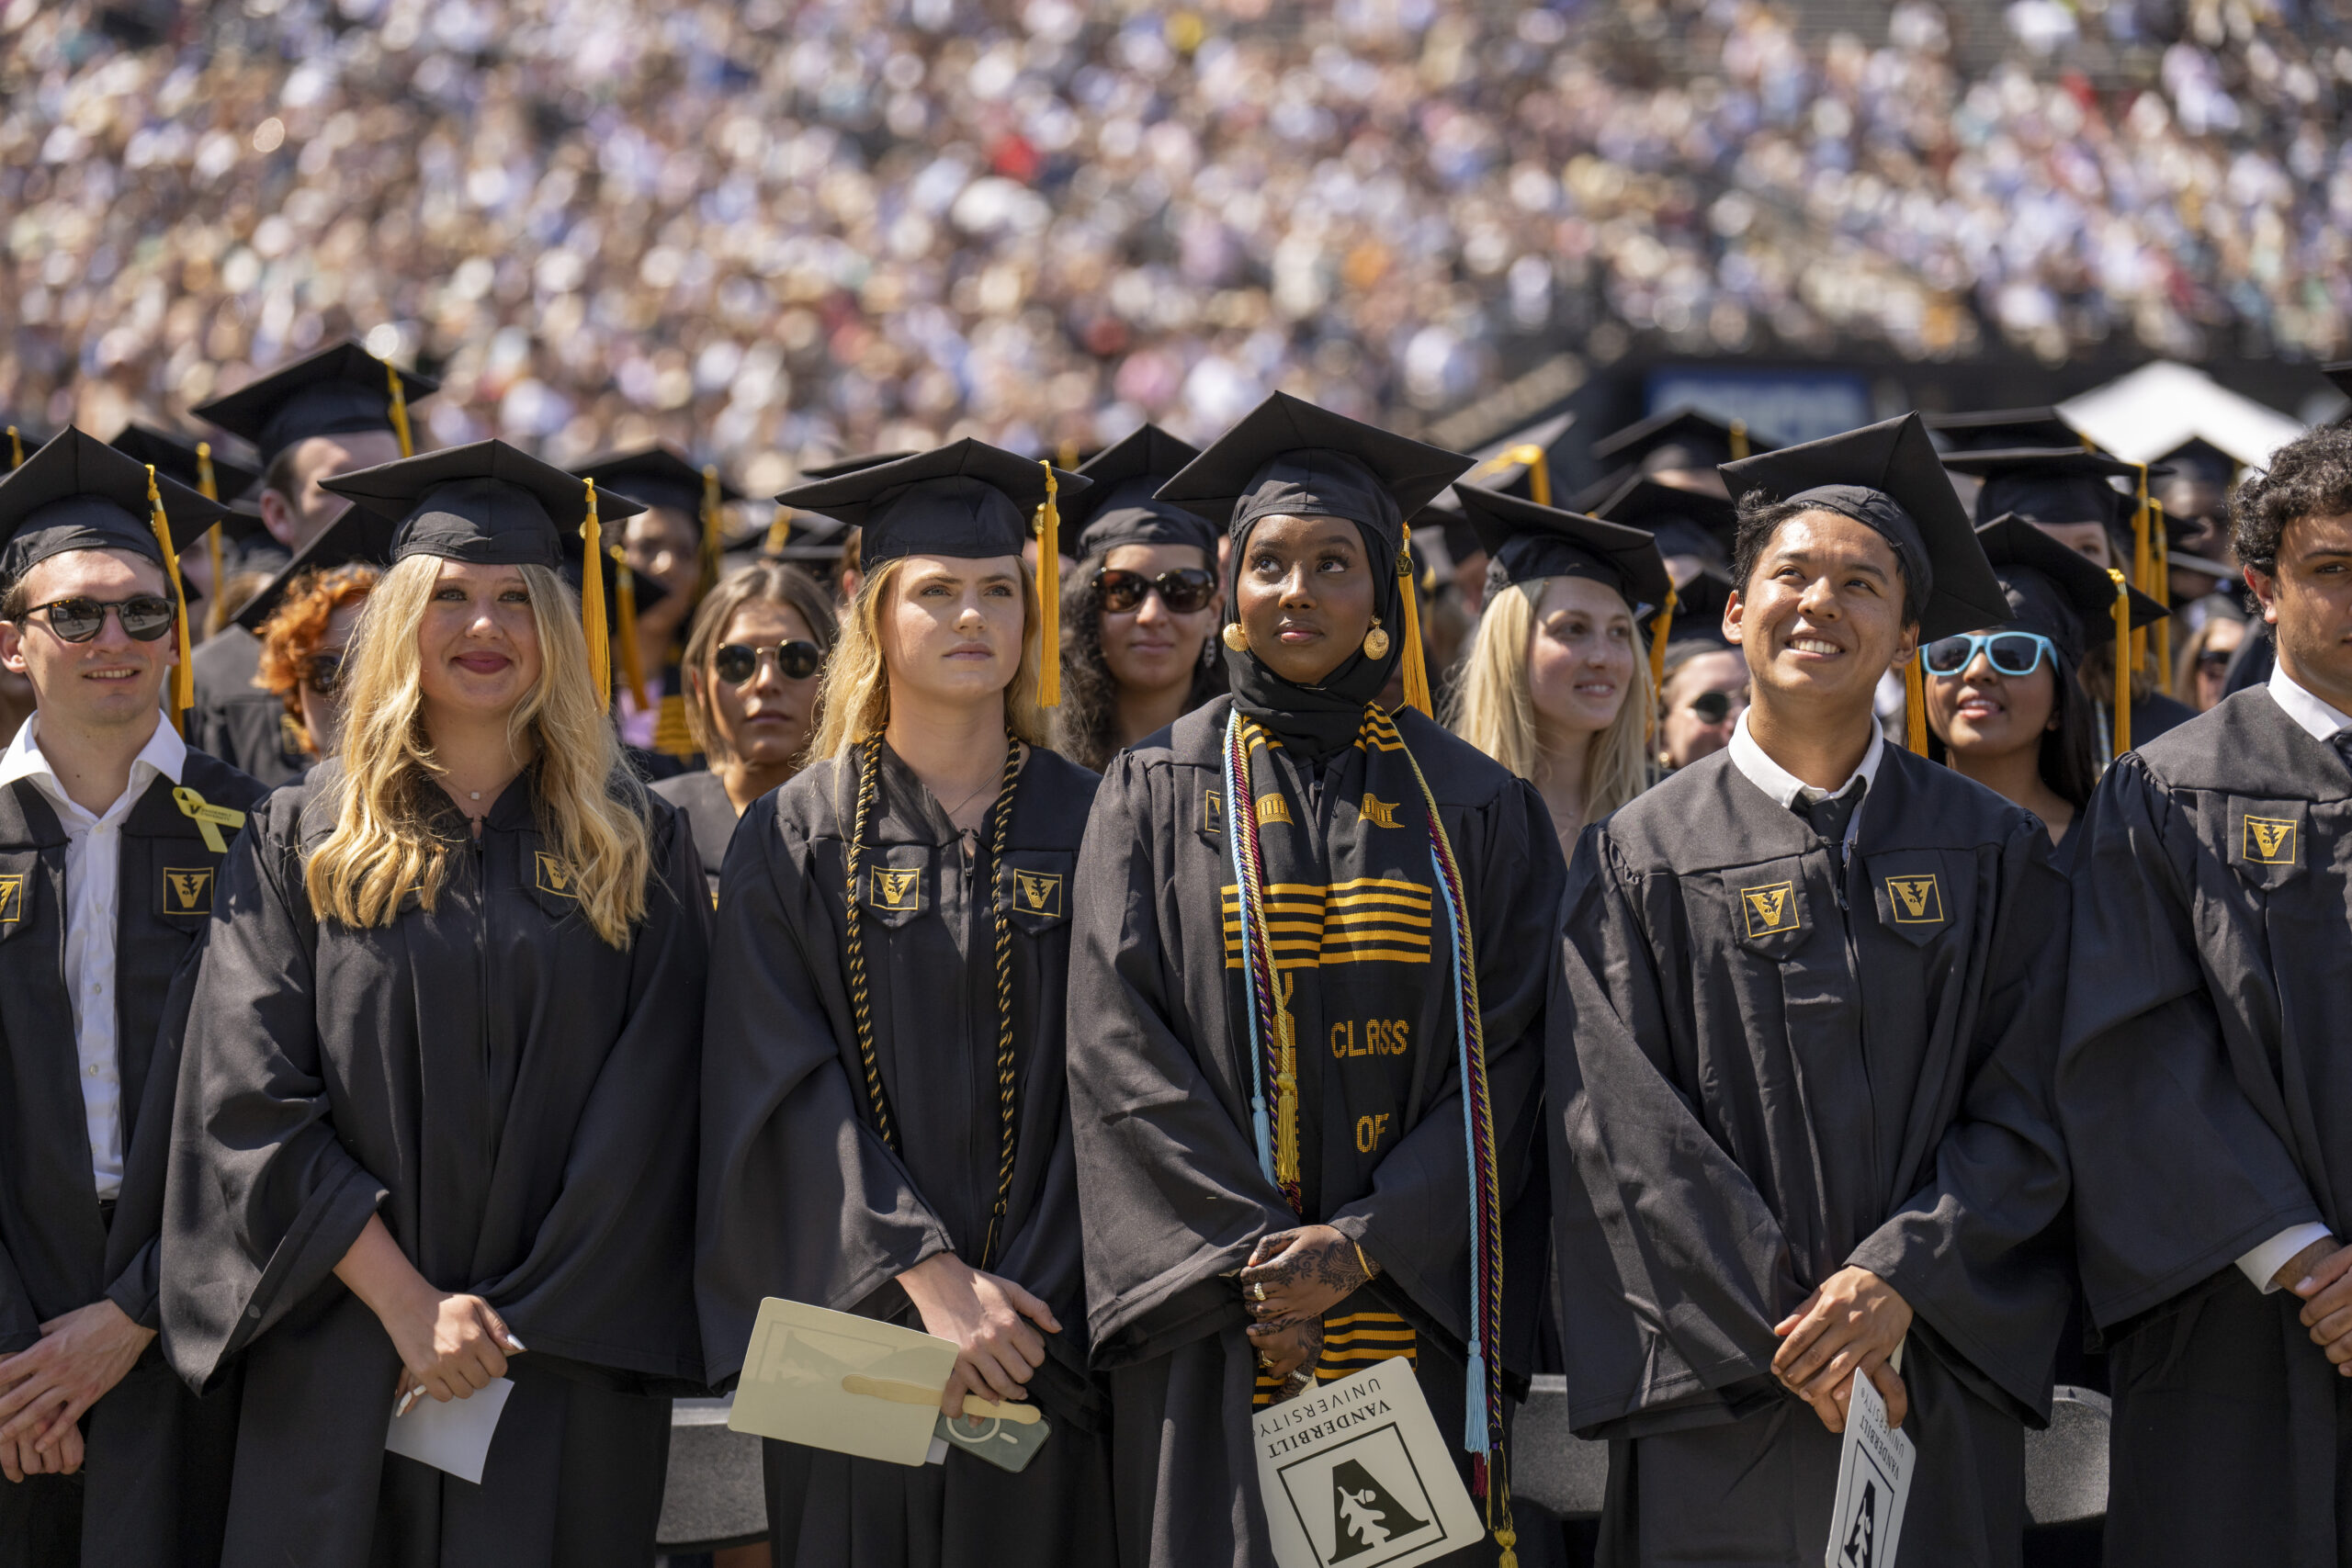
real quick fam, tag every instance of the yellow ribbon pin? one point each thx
(208, 819)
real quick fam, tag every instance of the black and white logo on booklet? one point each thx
(1354, 1473)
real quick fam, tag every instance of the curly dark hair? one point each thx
(1759, 519)
(1086, 725)
(2309, 477)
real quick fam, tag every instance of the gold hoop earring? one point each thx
(1236, 636)
(1375, 641)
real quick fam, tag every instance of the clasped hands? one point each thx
(1293, 1277)
(996, 1351)
(2321, 1275)
(45, 1387)
(1852, 1323)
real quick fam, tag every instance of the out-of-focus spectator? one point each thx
(303, 645)
(2203, 662)
(767, 228)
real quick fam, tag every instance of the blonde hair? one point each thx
(855, 696)
(592, 809)
(1494, 708)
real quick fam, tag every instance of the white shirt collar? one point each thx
(2313, 715)
(164, 753)
(1784, 785)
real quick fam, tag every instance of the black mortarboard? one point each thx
(1511, 464)
(332, 392)
(1289, 456)
(1682, 438)
(2202, 459)
(1993, 429)
(840, 466)
(1122, 508)
(486, 502)
(75, 492)
(658, 476)
(2058, 592)
(186, 461)
(2339, 376)
(2049, 484)
(358, 534)
(966, 501)
(1889, 478)
(1525, 543)
(1684, 522)
(1699, 606)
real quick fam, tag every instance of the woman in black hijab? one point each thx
(1291, 907)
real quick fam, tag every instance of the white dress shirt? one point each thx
(2321, 722)
(93, 890)
(1787, 788)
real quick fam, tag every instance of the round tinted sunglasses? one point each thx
(1714, 707)
(322, 673)
(144, 617)
(2010, 653)
(1183, 591)
(739, 664)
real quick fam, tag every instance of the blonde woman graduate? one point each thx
(1306, 1016)
(434, 1135)
(884, 1129)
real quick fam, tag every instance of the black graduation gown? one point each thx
(701, 800)
(154, 1477)
(1160, 1088)
(1760, 1076)
(516, 1099)
(234, 719)
(801, 1197)
(2207, 1099)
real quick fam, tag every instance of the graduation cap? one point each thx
(335, 391)
(1684, 522)
(1123, 507)
(1699, 606)
(192, 463)
(2049, 484)
(2069, 599)
(658, 477)
(492, 505)
(78, 494)
(966, 501)
(1289, 458)
(2339, 376)
(1527, 542)
(1680, 438)
(358, 534)
(1994, 430)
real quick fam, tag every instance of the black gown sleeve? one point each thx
(1673, 1268)
(1173, 1196)
(262, 1199)
(1968, 1251)
(2177, 1171)
(800, 1196)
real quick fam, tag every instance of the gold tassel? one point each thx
(1417, 674)
(1661, 623)
(1530, 457)
(1738, 439)
(779, 532)
(1915, 705)
(211, 487)
(2160, 590)
(16, 448)
(184, 672)
(1049, 596)
(399, 410)
(2119, 728)
(1285, 1082)
(711, 543)
(2141, 560)
(591, 604)
(632, 656)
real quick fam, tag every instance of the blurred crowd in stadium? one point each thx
(776, 229)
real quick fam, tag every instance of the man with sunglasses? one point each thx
(112, 832)
(2205, 1085)
(1806, 1012)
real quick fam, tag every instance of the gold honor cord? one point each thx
(2119, 727)
(399, 410)
(184, 672)
(593, 625)
(208, 819)
(1049, 596)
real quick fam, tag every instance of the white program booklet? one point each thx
(1355, 1472)
(1873, 1484)
(453, 1436)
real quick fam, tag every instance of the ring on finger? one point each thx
(1257, 1292)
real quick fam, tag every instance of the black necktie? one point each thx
(1830, 816)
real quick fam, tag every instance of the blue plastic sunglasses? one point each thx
(2010, 653)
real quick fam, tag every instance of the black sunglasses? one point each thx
(1183, 591)
(1714, 707)
(796, 660)
(2214, 661)
(322, 673)
(144, 617)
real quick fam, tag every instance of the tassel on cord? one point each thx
(1539, 472)
(711, 543)
(15, 449)
(632, 656)
(1417, 674)
(2141, 559)
(591, 604)
(399, 410)
(2160, 588)
(1049, 596)
(2119, 727)
(1661, 624)
(779, 532)
(1915, 705)
(184, 672)
(209, 485)
(1738, 439)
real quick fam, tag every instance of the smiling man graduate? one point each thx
(2206, 1092)
(1797, 1070)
